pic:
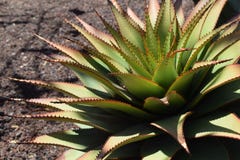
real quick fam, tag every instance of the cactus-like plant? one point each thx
(165, 88)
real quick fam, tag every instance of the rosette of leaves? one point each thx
(165, 88)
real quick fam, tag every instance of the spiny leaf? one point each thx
(101, 35)
(109, 104)
(228, 74)
(140, 86)
(212, 17)
(200, 7)
(179, 11)
(226, 94)
(82, 139)
(174, 127)
(151, 39)
(90, 155)
(70, 154)
(133, 134)
(162, 147)
(185, 41)
(222, 45)
(48, 102)
(208, 63)
(85, 72)
(74, 54)
(135, 18)
(116, 5)
(126, 28)
(155, 105)
(165, 73)
(166, 16)
(100, 45)
(226, 125)
(135, 64)
(73, 89)
(91, 119)
(202, 43)
(153, 10)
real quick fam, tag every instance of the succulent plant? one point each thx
(165, 88)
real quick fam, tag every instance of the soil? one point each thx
(19, 58)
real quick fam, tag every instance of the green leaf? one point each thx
(103, 122)
(223, 47)
(220, 125)
(199, 46)
(70, 154)
(179, 12)
(182, 83)
(155, 105)
(228, 74)
(153, 11)
(174, 127)
(129, 151)
(90, 155)
(135, 18)
(72, 89)
(176, 101)
(111, 105)
(49, 102)
(225, 95)
(97, 33)
(169, 104)
(82, 139)
(163, 147)
(91, 76)
(165, 73)
(188, 28)
(74, 54)
(127, 136)
(140, 86)
(212, 17)
(136, 65)
(132, 54)
(165, 18)
(100, 45)
(126, 28)
(151, 39)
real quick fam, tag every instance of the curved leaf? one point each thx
(82, 139)
(165, 73)
(228, 74)
(226, 125)
(174, 127)
(70, 154)
(153, 11)
(163, 147)
(135, 18)
(220, 97)
(140, 86)
(155, 105)
(130, 135)
(72, 89)
(97, 33)
(126, 28)
(101, 45)
(110, 104)
(103, 122)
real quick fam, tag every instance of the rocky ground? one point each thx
(19, 57)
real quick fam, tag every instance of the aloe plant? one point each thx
(165, 88)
